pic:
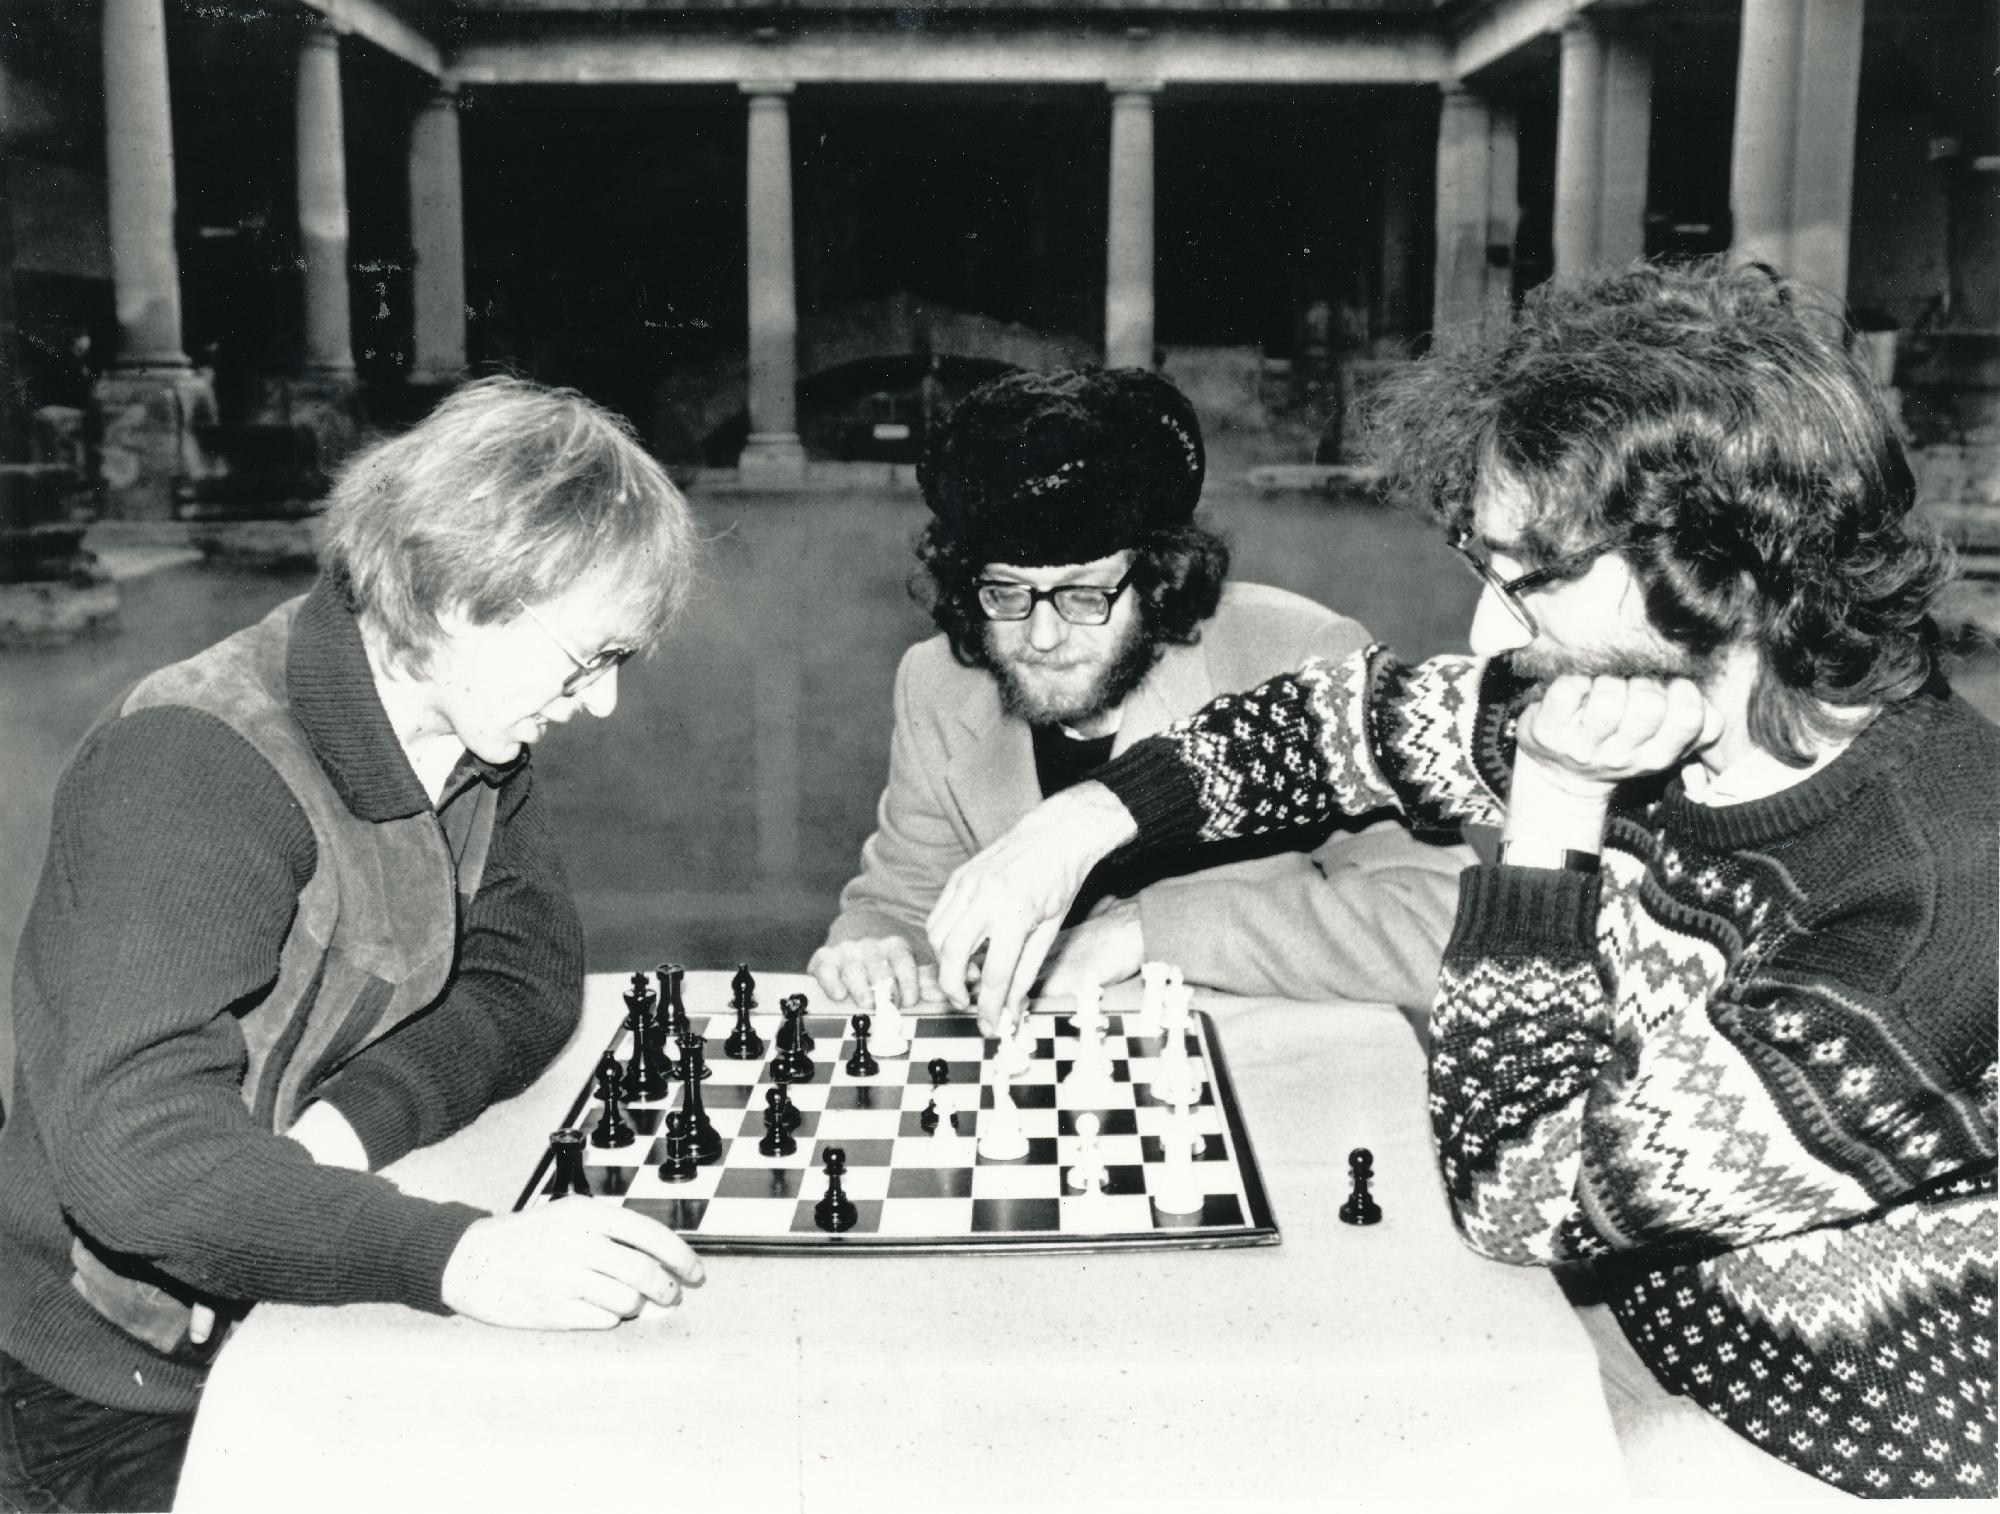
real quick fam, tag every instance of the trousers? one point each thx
(61, 1452)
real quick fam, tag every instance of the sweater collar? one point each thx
(332, 693)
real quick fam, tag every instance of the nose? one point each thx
(1495, 628)
(1046, 629)
(601, 698)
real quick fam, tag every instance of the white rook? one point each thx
(1128, 262)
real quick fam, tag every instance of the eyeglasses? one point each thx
(1079, 604)
(588, 669)
(1509, 591)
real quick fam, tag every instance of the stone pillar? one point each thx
(150, 399)
(1478, 209)
(1128, 263)
(1400, 142)
(324, 396)
(773, 453)
(1603, 134)
(1791, 165)
(437, 237)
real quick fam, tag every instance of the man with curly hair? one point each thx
(1719, 1023)
(1081, 608)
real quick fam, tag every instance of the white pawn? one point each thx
(1087, 1174)
(889, 1038)
(1001, 1136)
(1176, 1188)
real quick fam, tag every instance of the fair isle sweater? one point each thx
(1750, 1065)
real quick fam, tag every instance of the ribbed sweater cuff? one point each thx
(1525, 912)
(396, 1249)
(1153, 783)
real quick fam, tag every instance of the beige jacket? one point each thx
(1365, 916)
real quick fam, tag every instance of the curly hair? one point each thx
(1177, 574)
(1710, 421)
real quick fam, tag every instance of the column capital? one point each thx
(441, 95)
(766, 88)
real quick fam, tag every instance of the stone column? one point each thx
(437, 237)
(1579, 137)
(1603, 134)
(324, 396)
(1478, 210)
(773, 454)
(1128, 263)
(150, 399)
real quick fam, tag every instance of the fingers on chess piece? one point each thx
(836, 1211)
(613, 1129)
(567, 1146)
(862, 1064)
(1361, 1208)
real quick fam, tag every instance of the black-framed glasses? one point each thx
(1079, 604)
(1509, 591)
(588, 669)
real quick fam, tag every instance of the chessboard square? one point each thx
(868, 1093)
(810, 1096)
(944, 1149)
(1218, 1210)
(732, 1071)
(1120, 1070)
(930, 1183)
(1106, 1214)
(748, 1156)
(682, 1215)
(941, 1027)
(964, 1070)
(1153, 1148)
(771, 1182)
(633, 1155)
(945, 1218)
(1122, 1149)
(826, 1028)
(1022, 1216)
(1124, 1178)
(853, 1125)
(861, 1153)
(748, 1217)
(721, 1095)
(646, 1183)
(868, 1218)
(1026, 1096)
(1039, 1074)
(1015, 1180)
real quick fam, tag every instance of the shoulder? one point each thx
(930, 676)
(1259, 630)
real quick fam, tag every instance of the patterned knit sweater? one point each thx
(1750, 1066)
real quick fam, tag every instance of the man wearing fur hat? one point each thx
(1081, 608)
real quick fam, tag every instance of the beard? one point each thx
(1131, 660)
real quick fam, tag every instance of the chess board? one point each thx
(919, 1191)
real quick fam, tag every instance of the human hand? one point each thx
(1011, 898)
(573, 1265)
(1585, 736)
(1105, 949)
(848, 971)
(328, 1138)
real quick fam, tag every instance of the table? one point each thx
(1345, 1363)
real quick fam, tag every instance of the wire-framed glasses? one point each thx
(588, 669)
(1079, 604)
(1510, 591)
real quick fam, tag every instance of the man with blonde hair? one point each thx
(302, 913)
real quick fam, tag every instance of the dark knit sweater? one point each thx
(1750, 1066)
(177, 863)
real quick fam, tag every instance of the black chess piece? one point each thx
(835, 1212)
(929, 1118)
(677, 1159)
(1361, 1208)
(642, 1071)
(744, 1044)
(778, 1141)
(701, 1129)
(743, 988)
(567, 1144)
(780, 1099)
(613, 1129)
(940, 1071)
(673, 1013)
(862, 1064)
(792, 1033)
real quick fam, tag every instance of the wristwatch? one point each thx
(1530, 852)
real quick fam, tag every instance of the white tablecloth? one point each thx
(1383, 1362)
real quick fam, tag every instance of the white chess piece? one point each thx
(1174, 1077)
(889, 1038)
(1087, 1174)
(1017, 1047)
(1090, 1084)
(1176, 1188)
(1157, 977)
(1001, 1136)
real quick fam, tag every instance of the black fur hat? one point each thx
(1038, 469)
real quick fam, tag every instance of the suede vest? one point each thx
(373, 941)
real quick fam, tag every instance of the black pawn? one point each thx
(777, 1140)
(744, 1044)
(1361, 1208)
(613, 1129)
(835, 1212)
(780, 1099)
(940, 1071)
(792, 1033)
(707, 1139)
(677, 1163)
(862, 1064)
(568, 1148)
(929, 1118)
(743, 988)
